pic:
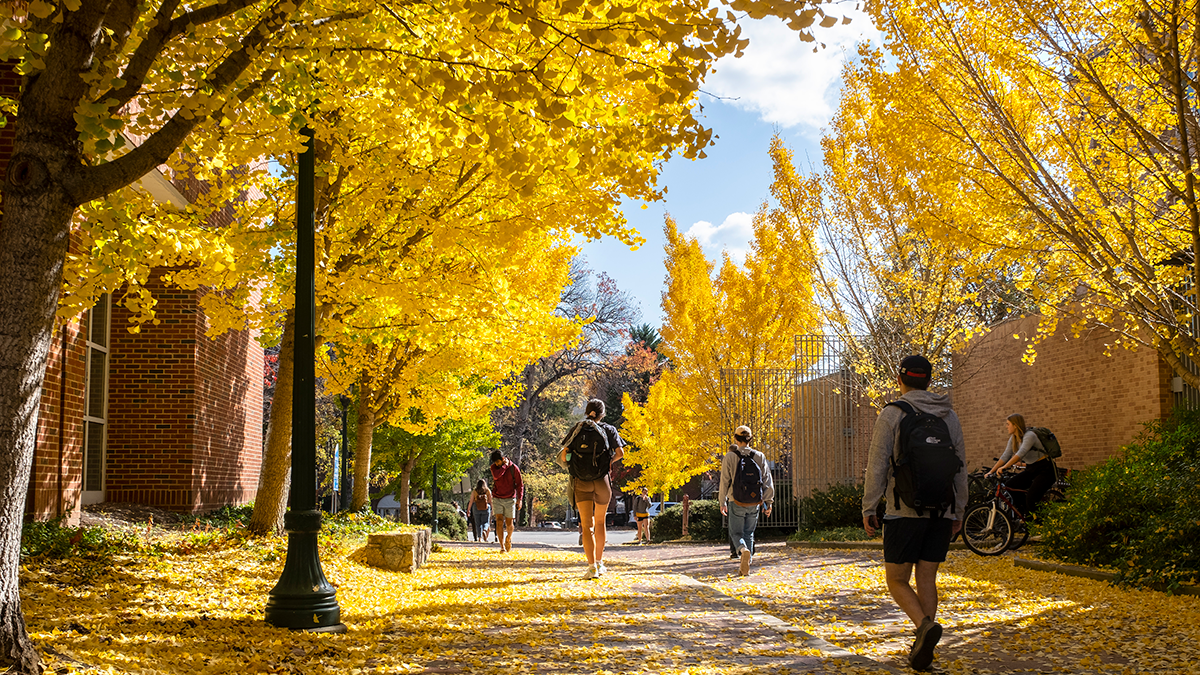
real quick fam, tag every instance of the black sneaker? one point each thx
(928, 635)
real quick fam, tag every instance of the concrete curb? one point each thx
(1093, 573)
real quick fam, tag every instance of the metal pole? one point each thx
(345, 481)
(303, 599)
(433, 493)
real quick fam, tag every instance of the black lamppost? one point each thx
(303, 599)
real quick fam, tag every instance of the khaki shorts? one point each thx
(597, 491)
(504, 508)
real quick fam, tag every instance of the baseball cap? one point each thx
(915, 366)
(743, 432)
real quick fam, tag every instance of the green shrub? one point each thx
(450, 523)
(704, 522)
(80, 555)
(226, 516)
(356, 523)
(839, 505)
(1137, 512)
(832, 534)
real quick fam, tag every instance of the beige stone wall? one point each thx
(1093, 403)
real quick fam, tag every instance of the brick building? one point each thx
(165, 417)
(1094, 402)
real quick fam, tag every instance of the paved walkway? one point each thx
(681, 608)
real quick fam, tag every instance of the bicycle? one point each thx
(997, 526)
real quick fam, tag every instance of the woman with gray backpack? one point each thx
(589, 450)
(1037, 447)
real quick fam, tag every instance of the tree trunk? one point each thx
(33, 244)
(406, 489)
(364, 430)
(275, 475)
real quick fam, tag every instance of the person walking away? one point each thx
(480, 504)
(508, 490)
(589, 450)
(746, 485)
(1025, 445)
(641, 511)
(917, 462)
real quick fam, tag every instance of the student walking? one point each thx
(508, 490)
(480, 504)
(917, 462)
(641, 511)
(746, 485)
(589, 450)
(1024, 445)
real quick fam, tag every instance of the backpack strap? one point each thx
(907, 409)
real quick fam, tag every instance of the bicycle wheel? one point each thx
(987, 531)
(1020, 535)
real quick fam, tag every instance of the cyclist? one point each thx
(1039, 474)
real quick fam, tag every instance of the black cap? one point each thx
(916, 366)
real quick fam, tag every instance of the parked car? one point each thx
(552, 524)
(657, 507)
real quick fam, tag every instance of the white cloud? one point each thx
(733, 235)
(780, 77)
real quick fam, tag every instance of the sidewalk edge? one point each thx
(1091, 573)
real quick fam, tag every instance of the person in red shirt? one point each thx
(508, 490)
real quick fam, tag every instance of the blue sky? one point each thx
(778, 86)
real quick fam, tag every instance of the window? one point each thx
(95, 413)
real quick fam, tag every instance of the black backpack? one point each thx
(588, 454)
(1049, 442)
(747, 478)
(924, 463)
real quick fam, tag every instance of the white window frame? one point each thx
(96, 496)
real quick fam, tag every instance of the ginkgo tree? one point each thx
(1063, 141)
(662, 440)
(746, 317)
(113, 90)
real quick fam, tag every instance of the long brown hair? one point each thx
(1018, 423)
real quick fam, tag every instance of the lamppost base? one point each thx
(303, 599)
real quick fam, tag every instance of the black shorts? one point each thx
(907, 540)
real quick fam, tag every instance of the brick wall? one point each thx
(1093, 403)
(56, 465)
(228, 443)
(184, 410)
(10, 87)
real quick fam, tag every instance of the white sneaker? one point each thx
(591, 572)
(744, 567)
(601, 570)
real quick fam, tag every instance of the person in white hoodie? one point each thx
(914, 540)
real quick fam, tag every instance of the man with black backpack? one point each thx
(746, 485)
(589, 450)
(917, 464)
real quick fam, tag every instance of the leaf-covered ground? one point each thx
(473, 609)
(999, 618)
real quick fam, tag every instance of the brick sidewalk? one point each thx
(651, 619)
(998, 619)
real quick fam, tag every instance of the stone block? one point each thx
(396, 551)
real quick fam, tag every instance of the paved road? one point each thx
(569, 538)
